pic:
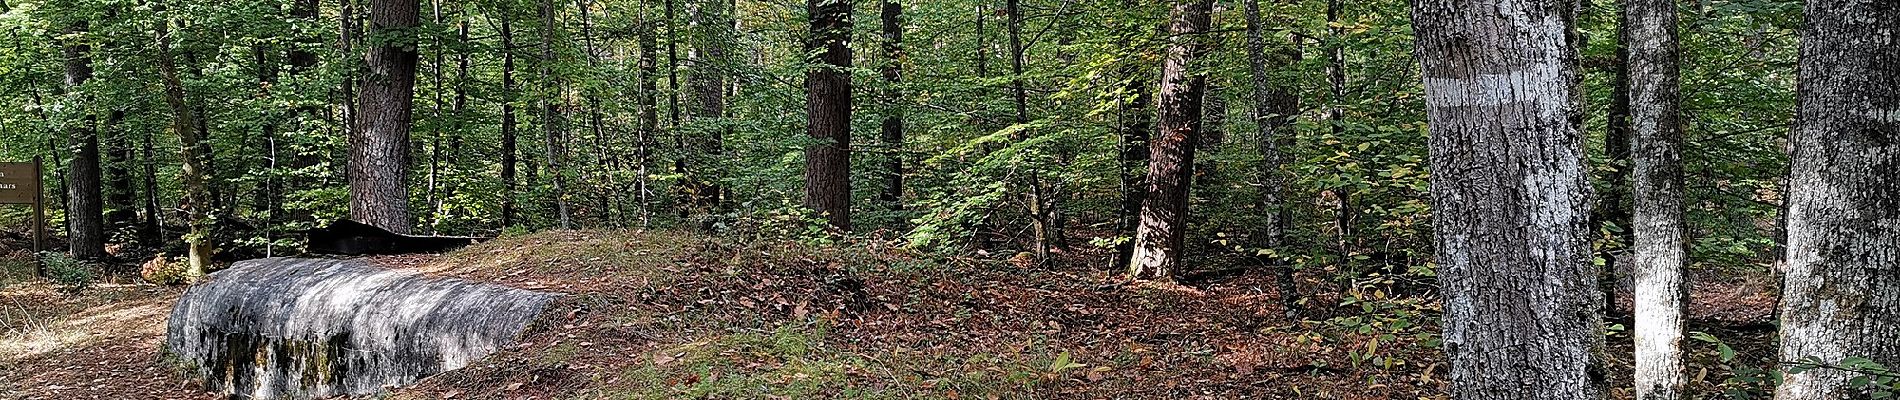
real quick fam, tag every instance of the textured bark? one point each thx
(1158, 240)
(85, 205)
(379, 148)
(193, 146)
(1273, 108)
(553, 121)
(649, 112)
(1510, 201)
(1661, 248)
(704, 147)
(1841, 287)
(509, 159)
(828, 101)
(891, 130)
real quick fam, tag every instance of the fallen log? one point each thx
(290, 328)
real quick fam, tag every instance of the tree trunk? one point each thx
(1661, 247)
(1136, 125)
(120, 191)
(379, 149)
(1613, 206)
(892, 129)
(1510, 201)
(553, 121)
(710, 23)
(1019, 95)
(85, 206)
(649, 113)
(1273, 108)
(509, 159)
(192, 148)
(828, 101)
(1841, 285)
(1159, 239)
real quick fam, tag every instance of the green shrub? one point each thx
(72, 275)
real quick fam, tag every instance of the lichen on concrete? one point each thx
(289, 328)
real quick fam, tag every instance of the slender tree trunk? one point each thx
(1841, 285)
(1136, 125)
(120, 191)
(1613, 207)
(85, 206)
(1273, 108)
(828, 100)
(553, 121)
(1160, 238)
(1033, 196)
(379, 148)
(1661, 248)
(509, 159)
(709, 23)
(432, 196)
(892, 128)
(1343, 212)
(649, 113)
(1510, 201)
(185, 123)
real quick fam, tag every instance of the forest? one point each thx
(1284, 199)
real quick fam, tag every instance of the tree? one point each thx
(1661, 250)
(379, 147)
(828, 107)
(1839, 297)
(552, 119)
(194, 149)
(1273, 108)
(1510, 200)
(891, 130)
(709, 24)
(85, 209)
(1162, 230)
(509, 157)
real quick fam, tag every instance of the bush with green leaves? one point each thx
(72, 275)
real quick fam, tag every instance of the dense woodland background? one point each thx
(1016, 130)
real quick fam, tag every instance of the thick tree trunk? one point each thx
(1273, 108)
(85, 205)
(1661, 249)
(828, 101)
(1159, 239)
(1510, 201)
(379, 148)
(509, 159)
(1841, 285)
(553, 121)
(892, 128)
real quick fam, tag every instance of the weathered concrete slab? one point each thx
(289, 328)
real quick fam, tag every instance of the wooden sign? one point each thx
(19, 183)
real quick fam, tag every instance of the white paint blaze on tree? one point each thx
(1511, 204)
(1841, 279)
(1660, 292)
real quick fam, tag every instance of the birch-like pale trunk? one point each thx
(1841, 280)
(1656, 155)
(1510, 200)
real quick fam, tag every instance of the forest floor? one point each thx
(654, 315)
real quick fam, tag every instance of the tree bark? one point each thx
(1841, 284)
(891, 130)
(649, 112)
(1032, 191)
(193, 149)
(1159, 239)
(1510, 201)
(828, 107)
(120, 191)
(379, 148)
(1274, 106)
(553, 120)
(509, 159)
(85, 205)
(1661, 247)
(710, 23)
